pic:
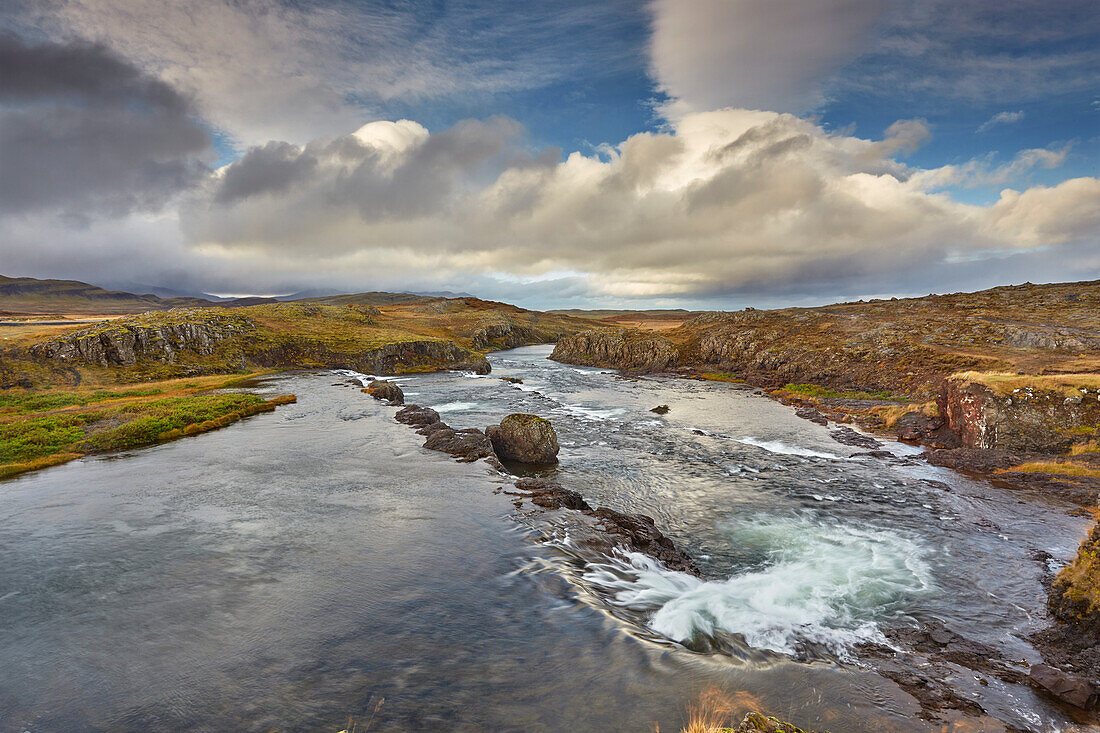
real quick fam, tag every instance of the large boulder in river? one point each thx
(525, 438)
(381, 389)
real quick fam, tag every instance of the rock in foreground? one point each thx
(525, 439)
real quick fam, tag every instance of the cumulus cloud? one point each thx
(84, 132)
(757, 54)
(984, 171)
(725, 201)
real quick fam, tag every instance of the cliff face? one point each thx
(1025, 419)
(617, 348)
(214, 341)
(125, 341)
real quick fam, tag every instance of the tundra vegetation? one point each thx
(138, 379)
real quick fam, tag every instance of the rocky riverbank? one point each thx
(1003, 384)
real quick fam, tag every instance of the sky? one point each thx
(569, 153)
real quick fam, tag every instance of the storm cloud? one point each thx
(83, 132)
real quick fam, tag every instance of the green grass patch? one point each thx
(721, 377)
(816, 390)
(38, 402)
(30, 441)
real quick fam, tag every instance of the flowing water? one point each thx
(299, 567)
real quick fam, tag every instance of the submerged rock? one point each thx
(417, 416)
(640, 533)
(550, 495)
(1068, 688)
(525, 438)
(809, 413)
(847, 436)
(467, 445)
(386, 390)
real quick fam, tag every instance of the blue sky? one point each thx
(713, 153)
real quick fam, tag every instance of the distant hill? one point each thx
(30, 296)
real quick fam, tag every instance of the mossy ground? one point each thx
(816, 390)
(45, 428)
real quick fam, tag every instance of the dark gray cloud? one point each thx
(272, 168)
(85, 133)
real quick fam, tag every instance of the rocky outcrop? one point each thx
(1026, 419)
(386, 390)
(525, 439)
(618, 348)
(393, 358)
(125, 341)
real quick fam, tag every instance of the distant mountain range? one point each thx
(28, 295)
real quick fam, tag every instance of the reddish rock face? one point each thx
(1031, 420)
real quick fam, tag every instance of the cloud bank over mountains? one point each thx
(735, 195)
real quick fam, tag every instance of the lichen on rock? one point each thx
(525, 438)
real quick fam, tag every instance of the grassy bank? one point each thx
(48, 427)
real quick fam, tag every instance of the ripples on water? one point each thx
(299, 566)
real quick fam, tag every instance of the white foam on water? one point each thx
(776, 446)
(825, 584)
(591, 413)
(364, 379)
(455, 406)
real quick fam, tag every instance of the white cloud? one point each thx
(1001, 118)
(983, 171)
(730, 200)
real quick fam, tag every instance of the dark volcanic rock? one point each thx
(932, 431)
(847, 436)
(641, 534)
(661, 409)
(1068, 688)
(550, 495)
(809, 413)
(417, 415)
(525, 438)
(468, 445)
(994, 462)
(385, 390)
(974, 460)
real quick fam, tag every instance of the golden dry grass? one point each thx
(1006, 382)
(1062, 469)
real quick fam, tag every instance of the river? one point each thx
(302, 566)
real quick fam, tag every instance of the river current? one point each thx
(303, 566)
